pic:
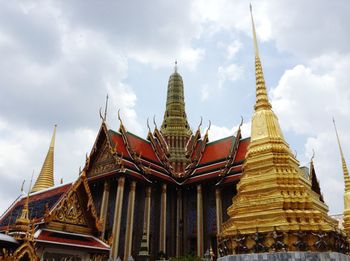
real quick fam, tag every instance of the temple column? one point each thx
(200, 246)
(147, 215)
(179, 223)
(218, 210)
(162, 238)
(129, 221)
(117, 218)
(104, 207)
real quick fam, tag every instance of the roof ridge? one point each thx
(216, 141)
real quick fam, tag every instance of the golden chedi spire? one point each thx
(46, 177)
(22, 225)
(346, 186)
(273, 193)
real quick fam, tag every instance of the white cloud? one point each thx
(231, 48)
(219, 132)
(231, 73)
(234, 15)
(23, 150)
(305, 100)
(205, 92)
(312, 98)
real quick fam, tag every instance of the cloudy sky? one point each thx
(59, 59)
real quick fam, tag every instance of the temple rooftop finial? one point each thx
(46, 177)
(22, 222)
(175, 67)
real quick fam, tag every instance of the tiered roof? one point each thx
(148, 160)
(62, 215)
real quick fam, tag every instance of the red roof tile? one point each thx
(141, 146)
(217, 150)
(70, 239)
(118, 143)
(242, 150)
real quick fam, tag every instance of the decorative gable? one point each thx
(70, 211)
(103, 162)
(75, 212)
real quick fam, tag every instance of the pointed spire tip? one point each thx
(175, 67)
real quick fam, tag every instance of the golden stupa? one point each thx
(275, 208)
(46, 177)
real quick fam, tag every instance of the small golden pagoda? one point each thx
(275, 208)
(346, 187)
(46, 177)
(23, 232)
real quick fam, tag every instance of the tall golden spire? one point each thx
(344, 166)
(346, 187)
(46, 176)
(262, 100)
(272, 192)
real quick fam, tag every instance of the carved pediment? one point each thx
(70, 211)
(104, 161)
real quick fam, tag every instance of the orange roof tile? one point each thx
(217, 150)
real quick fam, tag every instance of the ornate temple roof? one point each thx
(51, 206)
(37, 202)
(147, 160)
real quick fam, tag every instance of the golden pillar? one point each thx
(104, 207)
(147, 213)
(200, 246)
(117, 218)
(129, 221)
(162, 243)
(179, 223)
(218, 210)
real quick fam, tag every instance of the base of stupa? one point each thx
(288, 256)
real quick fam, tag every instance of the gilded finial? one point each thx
(240, 125)
(175, 67)
(206, 133)
(154, 122)
(149, 128)
(120, 119)
(106, 107)
(22, 222)
(344, 166)
(22, 185)
(200, 123)
(46, 176)
(104, 116)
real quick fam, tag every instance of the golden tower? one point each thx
(273, 194)
(175, 127)
(346, 186)
(46, 176)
